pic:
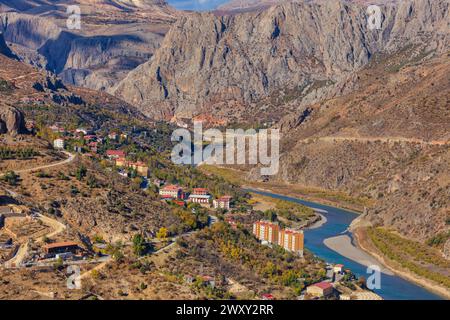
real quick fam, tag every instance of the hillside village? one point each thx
(32, 238)
(87, 183)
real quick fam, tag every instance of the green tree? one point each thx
(138, 245)
(11, 178)
(81, 172)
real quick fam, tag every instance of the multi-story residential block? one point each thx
(291, 240)
(200, 195)
(266, 231)
(222, 203)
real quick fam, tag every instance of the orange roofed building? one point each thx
(222, 203)
(291, 240)
(321, 289)
(266, 231)
(115, 154)
(61, 247)
(171, 191)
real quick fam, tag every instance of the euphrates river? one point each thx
(338, 221)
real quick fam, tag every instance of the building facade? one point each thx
(171, 191)
(200, 195)
(321, 289)
(266, 231)
(291, 240)
(222, 203)
(58, 144)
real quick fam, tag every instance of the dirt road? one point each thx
(379, 139)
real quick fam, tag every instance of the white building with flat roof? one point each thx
(58, 144)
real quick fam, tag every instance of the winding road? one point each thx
(378, 139)
(57, 226)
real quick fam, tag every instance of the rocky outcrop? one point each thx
(4, 49)
(11, 120)
(446, 250)
(386, 143)
(207, 60)
(96, 56)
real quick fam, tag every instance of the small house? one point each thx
(321, 289)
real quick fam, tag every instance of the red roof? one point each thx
(267, 223)
(224, 198)
(323, 285)
(119, 153)
(172, 188)
(267, 296)
(290, 231)
(61, 245)
(200, 190)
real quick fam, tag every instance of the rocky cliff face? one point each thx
(386, 141)
(115, 37)
(4, 49)
(11, 120)
(210, 62)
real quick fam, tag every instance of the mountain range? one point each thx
(222, 64)
(363, 112)
(115, 37)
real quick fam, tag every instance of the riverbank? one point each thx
(283, 189)
(330, 198)
(363, 242)
(318, 223)
(343, 245)
(345, 248)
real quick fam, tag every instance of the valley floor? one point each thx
(362, 240)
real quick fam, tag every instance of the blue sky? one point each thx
(197, 5)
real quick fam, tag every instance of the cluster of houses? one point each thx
(90, 139)
(120, 160)
(198, 195)
(92, 142)
(269, 232)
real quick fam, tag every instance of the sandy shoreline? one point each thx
(380, 260)
(343, 245)
(319, 223)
